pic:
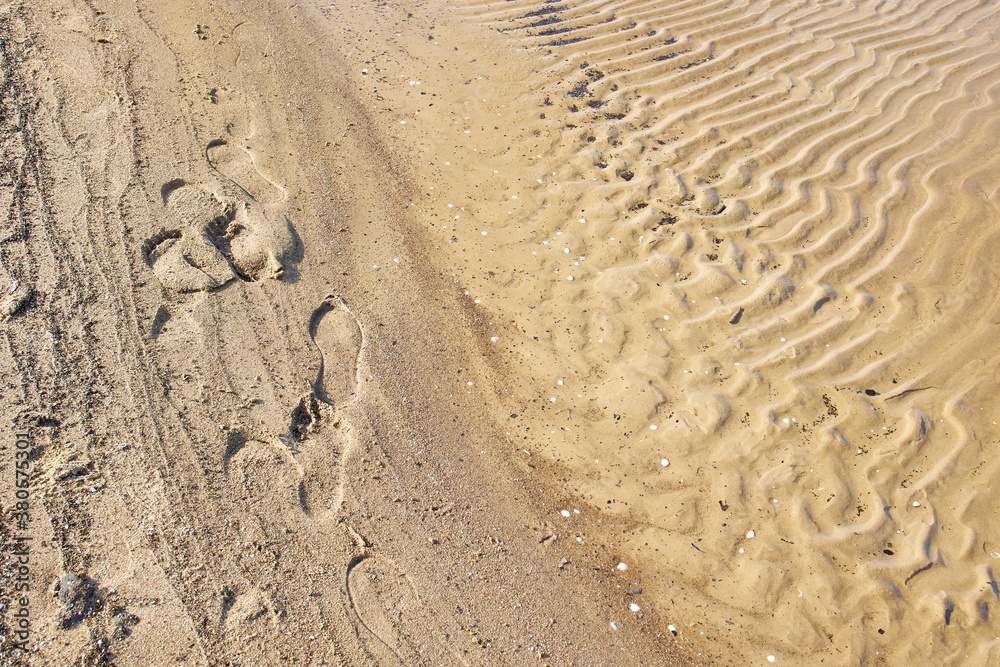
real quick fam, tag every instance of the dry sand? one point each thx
(609, 333)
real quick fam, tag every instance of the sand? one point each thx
(510, 333)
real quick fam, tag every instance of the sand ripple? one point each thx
(769, 230)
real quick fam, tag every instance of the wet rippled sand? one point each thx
(757, 241)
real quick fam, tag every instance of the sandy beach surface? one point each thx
(500, 333)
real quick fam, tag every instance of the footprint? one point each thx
(185, 260)
(338, 336)
(392, 618)
(242, 611)
(215, 240)
(237, 164)
(261, 240)
(185, 257)
(194, 206)
(260, 245)
(381, 599)
(265, 472)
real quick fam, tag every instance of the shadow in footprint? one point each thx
(81, 598)
(235, 441)
(339, 338)
(159, 321)
(306, 417)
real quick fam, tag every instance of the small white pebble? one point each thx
(916, 504)
(671, 628)
(622, 566)
(614, 626)
(770, 658)
(751, 535)
(652, 427)
(664, 462)
(570, 278)
(633, 607)
(565, 512)
(560, 382)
